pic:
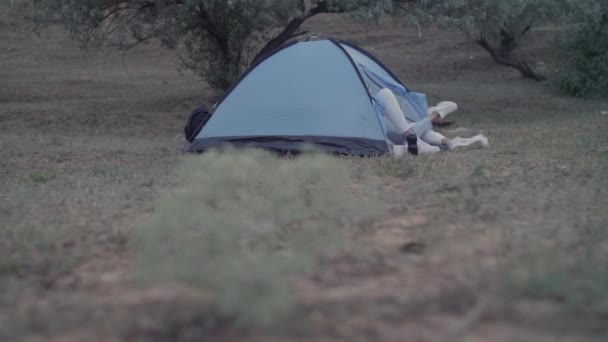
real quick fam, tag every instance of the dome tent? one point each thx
(314, 92)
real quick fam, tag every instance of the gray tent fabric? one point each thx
(310, 93)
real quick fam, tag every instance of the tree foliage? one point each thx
(586, 49)
(498, 26)
(221, 37)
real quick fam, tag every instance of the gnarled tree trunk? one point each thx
(291, 30)
(506, 58)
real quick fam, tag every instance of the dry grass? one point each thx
(502, 244)
(242, 224)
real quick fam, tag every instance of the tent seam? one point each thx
(369, 95)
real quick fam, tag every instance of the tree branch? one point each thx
(208, 26)
(509, 60)
(404, 5)
(291, 30)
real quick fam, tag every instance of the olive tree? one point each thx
(498, 26)
(221, 37)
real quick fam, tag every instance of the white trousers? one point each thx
(422, 128)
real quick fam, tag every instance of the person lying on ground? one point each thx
(419, 136)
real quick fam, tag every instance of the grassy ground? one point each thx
(503, 244)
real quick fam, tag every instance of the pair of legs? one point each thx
(420, 137)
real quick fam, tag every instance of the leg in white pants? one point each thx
(395, 115)
(442, 110)
(423, 128)
(393, 110)
(435, 139)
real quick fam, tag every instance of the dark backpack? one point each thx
(196, 121)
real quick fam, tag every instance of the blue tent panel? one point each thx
(309, 89)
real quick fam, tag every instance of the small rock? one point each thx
(413, 247)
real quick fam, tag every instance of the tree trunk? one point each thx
(221, 39)
(288, 32)
(511, 61)
(291, 30)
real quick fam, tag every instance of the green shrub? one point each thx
(582, 287)
(571, 272)
(240, 224)
(41, 176)
(34, 255)
(586, 71)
